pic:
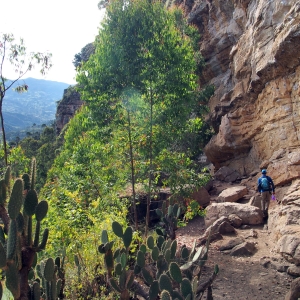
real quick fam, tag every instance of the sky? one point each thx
(61, 27)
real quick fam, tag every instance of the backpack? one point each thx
(265, 184)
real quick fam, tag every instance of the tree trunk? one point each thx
(132, 173)
(3, 136)
(150, 165)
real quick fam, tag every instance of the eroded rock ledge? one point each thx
(251, 49)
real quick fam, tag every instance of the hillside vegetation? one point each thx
(141, 129)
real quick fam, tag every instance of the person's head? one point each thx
(264, 171)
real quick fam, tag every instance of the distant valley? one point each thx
(37, 106)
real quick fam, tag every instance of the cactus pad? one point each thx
(109, 260)
(114, 285)
(43, 243)
(16, 199)
(41, 210)
(2, 257)
(12, 280)
(3, 192)
(30, 203)
(127, 237)
(123, 260)
(167, 255)
(175, 209)
(104, 237)
(143, 248)
(117, 229)
(7, 177)
(118, 269)
(137, 269)
(140, 259)
(184, 253)
(173, 249)
(165, 295)
(2, 237)
(159, 231)
(186, 288)
(165, 283)
(36, 291)
(26, 180)
(175, 272)
(12, 239)
(154, 290)
(122, 280)
(20, 222)
(170, 210)
(150, 242)
(49, 269)
(160, 240)
(155, 253)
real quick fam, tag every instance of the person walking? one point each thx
(266, 187)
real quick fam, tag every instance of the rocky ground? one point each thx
(240, 277)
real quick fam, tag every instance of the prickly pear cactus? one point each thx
(158, 263)
(17, 247)
(169, 218)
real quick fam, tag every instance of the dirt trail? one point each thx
(240, 277)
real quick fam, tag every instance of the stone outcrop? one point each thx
(233, 194)
(67, 108)
(251, 50)
(250, 215)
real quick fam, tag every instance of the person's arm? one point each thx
(258, 185)
(273, 186)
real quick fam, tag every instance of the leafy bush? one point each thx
(193, 209)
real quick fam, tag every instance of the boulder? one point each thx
(227, 174)
(232, 194)
(294, 292)
(250, 215)
(231, 244)
(244, 249)
(289, 247)
(202, 196)
(256, 201)
(293, 193)
(226, 228)
(294, 271)
(235, 220)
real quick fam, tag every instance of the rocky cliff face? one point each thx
(66, 108)
(252, 54)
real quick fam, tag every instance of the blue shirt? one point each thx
(272, 187)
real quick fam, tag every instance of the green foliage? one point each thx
(162, 274)
(169, 218)
(193, 209)
(18, 261)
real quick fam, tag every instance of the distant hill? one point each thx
(36, 106)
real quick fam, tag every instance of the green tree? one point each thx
(16, 56)
(140, 48)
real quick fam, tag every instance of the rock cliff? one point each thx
(67, 107)
(252, 54)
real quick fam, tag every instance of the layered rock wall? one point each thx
(252, 54)
(67, 107)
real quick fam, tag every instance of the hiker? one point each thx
(266, 187)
